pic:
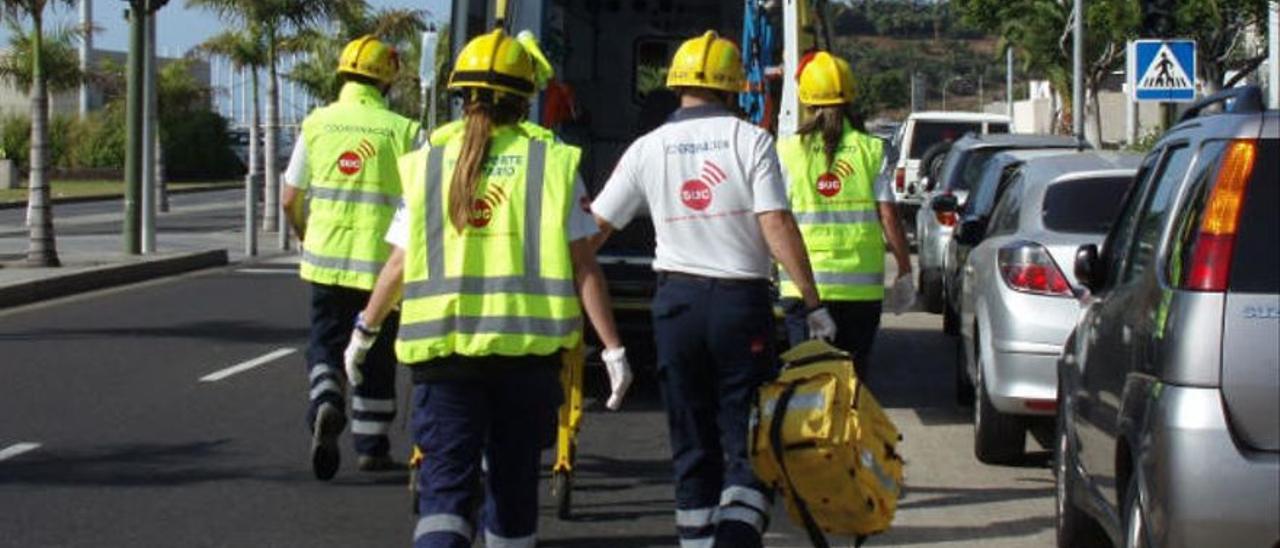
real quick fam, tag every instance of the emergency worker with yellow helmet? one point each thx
(493, 264)
(713, 187)
(344, 164)
(844, 212)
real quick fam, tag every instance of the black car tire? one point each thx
(1075, 529)
(997, 438)
(950, 320)
(1135, 525)
(964, 386)
(931, 293)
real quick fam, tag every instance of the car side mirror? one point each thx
(946, 203)
(1088, 269)
(971, 231)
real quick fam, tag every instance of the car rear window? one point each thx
(925, 134)
(997, 128)
(1084, 206)
(971, 170)
(1255, 267)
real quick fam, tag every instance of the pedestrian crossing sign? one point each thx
(1162, 70)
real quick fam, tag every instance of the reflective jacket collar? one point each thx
(698, 112)
(361, 93)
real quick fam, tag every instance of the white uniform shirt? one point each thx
(704, 176)
(581, 224)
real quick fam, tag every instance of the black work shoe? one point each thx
(325, 456)
(381, 463)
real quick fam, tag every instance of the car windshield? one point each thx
(1084, 206)
(928, 133)
(964, 175)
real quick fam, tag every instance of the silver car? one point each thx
(1018, 305)
(960, 172)
(1169, 418)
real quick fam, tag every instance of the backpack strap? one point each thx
(816, 536)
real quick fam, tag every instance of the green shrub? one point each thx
(100, 140)
(15, 137)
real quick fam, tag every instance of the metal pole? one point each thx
(149, 128)
(1273, 54)
(134, 141)
(250, 215)
(244, 97)
(982, 95)
(1008, 85)
(1130, 105)
(913, 91)
(1077, 72)
(86, 52)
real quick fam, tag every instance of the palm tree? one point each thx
(42, 249)
(399, 27)
(274, 19)
(59, 56)
(247, 52)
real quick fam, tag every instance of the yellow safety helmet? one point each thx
(707, 61)
(825, 80)
(369, 57)
(494, 62)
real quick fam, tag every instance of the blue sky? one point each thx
(180, 28)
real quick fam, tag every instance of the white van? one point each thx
(923, 130)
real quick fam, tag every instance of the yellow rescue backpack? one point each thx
(832, 452)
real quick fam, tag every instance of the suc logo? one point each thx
(829, 183)
(482, 209)
(352, 161)
(696, 194)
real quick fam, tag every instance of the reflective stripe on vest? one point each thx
(354, 196)
(838, 216)
(342, 263)
(529, 312)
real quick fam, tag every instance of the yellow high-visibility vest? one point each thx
(836, 209)
(352, 147)
(504, 285)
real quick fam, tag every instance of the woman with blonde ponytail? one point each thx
(493, 266)
(846, 214)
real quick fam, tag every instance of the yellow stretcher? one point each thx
(569, 420)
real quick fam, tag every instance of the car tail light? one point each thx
(1028, 268)
(1211, 256)
(945, 218)
(900, 179)
(1041, 405)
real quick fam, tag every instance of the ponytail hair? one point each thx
(482, 113)
(827, 122)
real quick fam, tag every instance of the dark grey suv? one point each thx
(1169, 387)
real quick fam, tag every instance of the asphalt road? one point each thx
(134, 450)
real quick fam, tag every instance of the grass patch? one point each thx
(103, 189)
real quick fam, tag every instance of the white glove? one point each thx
(362, 339)
(821, 326)
(903, 295)
(615, 363)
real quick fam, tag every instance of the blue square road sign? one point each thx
(1163, 70)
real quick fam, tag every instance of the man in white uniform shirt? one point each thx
(714, 189)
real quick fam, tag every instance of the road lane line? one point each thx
(245, 366)
(282, 271)
(17, 449)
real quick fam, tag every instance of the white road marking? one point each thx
(17, 449)
(281, 271)
(245, 366)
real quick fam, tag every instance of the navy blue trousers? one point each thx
(507, 418)
(715, 344)
(373, 405)
(857, 323)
